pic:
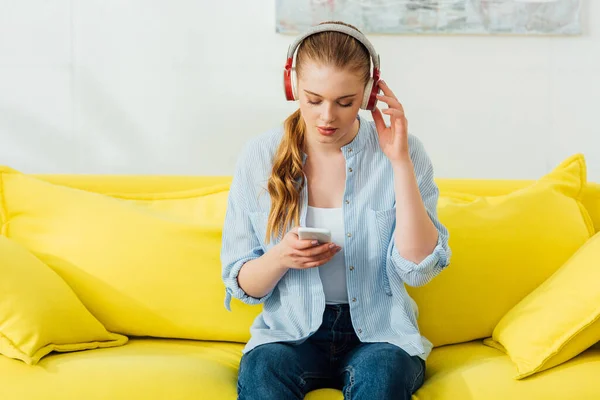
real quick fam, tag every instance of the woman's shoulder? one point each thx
(262, 147)
(254, 165)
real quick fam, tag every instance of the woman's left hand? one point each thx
(393, 139)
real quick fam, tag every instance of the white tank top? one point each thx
(333, 273)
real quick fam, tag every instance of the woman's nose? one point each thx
(327, 114)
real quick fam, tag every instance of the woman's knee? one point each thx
(269, 371)
(384, 368)
(266, 359)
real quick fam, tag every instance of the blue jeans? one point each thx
(333, 357)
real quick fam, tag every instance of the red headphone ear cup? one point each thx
(290, 84)
(288, 89)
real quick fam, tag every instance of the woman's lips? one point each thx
(327, 131)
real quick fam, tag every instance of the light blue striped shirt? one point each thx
(381, 309)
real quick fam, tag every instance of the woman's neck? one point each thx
(314, 148)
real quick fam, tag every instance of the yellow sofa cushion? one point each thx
(470, 371)
(503, 248)
(39, 313)
(139, 270)
(152, 369)
(494, 187)
(203, 206)
(148, 369)
(591, 200)
(558, 320)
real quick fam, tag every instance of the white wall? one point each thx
(176, 87)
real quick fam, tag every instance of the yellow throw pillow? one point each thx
(141, 265)
(558, 320)
(503, 247)
(206, 205)
(39, 312)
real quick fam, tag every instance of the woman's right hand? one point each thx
(302, 254)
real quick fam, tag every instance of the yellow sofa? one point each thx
(178, 365)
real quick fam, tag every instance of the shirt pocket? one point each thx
(382, 226)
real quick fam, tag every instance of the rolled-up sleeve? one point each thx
(240, 243)
(419, 274)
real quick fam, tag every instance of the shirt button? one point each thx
(360, 331)
(349, 234)
(351, 268)
(347, 201)
(349, 169)
(350, 150)
(354, 299)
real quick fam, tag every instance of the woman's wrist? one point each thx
(402, 164)
(276, 259)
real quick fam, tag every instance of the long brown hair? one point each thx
(287, 177)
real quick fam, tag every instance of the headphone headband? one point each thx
(369, 100)
(336, 28)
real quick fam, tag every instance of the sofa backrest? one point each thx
(496, 262)
(165, 184)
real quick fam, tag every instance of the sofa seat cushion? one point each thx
(475, 371)
(145, 368)
(185, 369)
(142, 369)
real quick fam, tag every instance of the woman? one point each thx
(334, 314)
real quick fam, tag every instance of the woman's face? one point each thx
(329, 101)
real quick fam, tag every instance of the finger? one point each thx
(386, 89)
(319, 250)
(390, 101)
(378, 119)
(318, 254)
(399, 130)
(394, 112)
(302, 244)
(395, 115)
(314, 264)
(318, 263)
(400, 125)
(294, 231)
(302, 247)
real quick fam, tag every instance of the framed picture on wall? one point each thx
(488, 17)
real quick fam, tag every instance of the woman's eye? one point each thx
(340, 104)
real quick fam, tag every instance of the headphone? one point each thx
(290, 81)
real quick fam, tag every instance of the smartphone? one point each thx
(322, 235)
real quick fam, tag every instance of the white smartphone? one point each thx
(322, 235)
